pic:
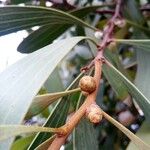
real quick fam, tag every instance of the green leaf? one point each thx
(6, 131)
(139, 26)
(115, 82)
(84, 135)
(142, 77)
(54, 82)
(141, 44)
(136, 140)
(19, 1)
(41, 37)
(93, 47)
(21, 81)
(69, 146)
(143, 63)
(143, 47)
(15, 18)
(132, 11)
(45, 145)
(22, 143)
(42, 101)
(134, 16)
(46, 34)
(143, 133)
(82, 12)
(56, 118)
(143, 102)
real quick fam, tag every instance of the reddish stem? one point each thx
(107, 38)
(73, 121)
(108, 31)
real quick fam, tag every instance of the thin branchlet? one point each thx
(107, 36)
(74, 120)
(97, 62)
(108, 31)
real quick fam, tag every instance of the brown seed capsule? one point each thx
(87, 84)
(94, 113)
(94, 118)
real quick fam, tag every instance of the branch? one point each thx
(106, 36)
(108, 31)
(74, 120)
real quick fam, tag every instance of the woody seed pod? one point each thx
(94, 113)
(94, 118)
(87, 84)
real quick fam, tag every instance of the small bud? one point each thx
(94, 118)
(120, 23)
(94, 113)
(98, 34)
(87, 84)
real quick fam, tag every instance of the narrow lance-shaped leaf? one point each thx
(134, 16)
(142, 76)
(6, 131)
(142, 52)
(56, 118)
(15, 18)
(143, 102)
(116, 84)
(84, 135)
(46, 144)
(142, 79)
(25, 79)
(22, 143)
(143, 133)
(55, 80)
(47, 33)
(139, 27)
(136, 140)
(18, 1)
(142, 44)
(40, 102)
